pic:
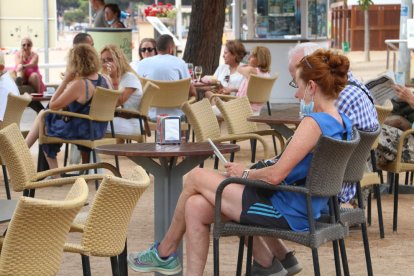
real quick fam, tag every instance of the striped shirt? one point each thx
(354, 102)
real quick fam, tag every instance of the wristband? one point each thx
(245, 174)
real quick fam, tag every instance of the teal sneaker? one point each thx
(149, 261)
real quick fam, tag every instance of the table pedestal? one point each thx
(168, 178)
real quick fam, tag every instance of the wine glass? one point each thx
(198, 70)
(190, 69)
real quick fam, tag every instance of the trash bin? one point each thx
(121, 37)
(345, 46)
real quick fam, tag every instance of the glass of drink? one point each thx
(191, 69)
(198, 70)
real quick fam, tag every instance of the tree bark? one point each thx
(366, 35)
(205, 34)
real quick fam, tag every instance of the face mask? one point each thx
(110, 22)
(306, 109)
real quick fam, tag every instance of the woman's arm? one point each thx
(70, 92)
(303, 141)
(246, 70)
(405, 94)
(33, 62)
(125, 95)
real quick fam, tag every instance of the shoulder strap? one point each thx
(353, 83)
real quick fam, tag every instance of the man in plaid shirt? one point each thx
(355, 101)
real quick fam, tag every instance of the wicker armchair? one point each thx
(201, 117)
(13, 114)
(102, 110)
(324, 180)
(24, 178)
(235, 114)
(33, 244)
(105, 229)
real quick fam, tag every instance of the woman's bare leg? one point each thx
(53, 163)
(34, 81)
(33, 134)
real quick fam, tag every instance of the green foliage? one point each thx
(74, 15)
(365, 4)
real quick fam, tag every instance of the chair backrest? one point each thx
(149, 91)
(103, 104)
(107, 223)
(17, 157)
(201, 117)
(14, 109)
(171, 94)
(383, 111)
(358, 160)
(37, 233)
(327, 169)
(259, 88)
(235, 113)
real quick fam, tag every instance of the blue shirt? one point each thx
(293, 205)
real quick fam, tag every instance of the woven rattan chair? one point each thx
(102, 110)
(324, 180)
(34, 241)
(105, 229)
(201, 117)
(13, 114)
(24, 178)
(141, 113)
(235, 114)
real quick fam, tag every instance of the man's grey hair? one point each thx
(304, 49)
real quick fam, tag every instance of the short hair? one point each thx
(81, 38)
(150, 40)
(328, 69)
(304, 49)
(119, 59)
(114, 8)
(163, 42)
(264, 59)
(28, 39)
(236, 48)
(83, 60)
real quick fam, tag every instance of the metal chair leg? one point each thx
(379, 207)
(315, 259)
(336, 258)
(253, 144)
(216, 256)
(122, 261)
(240, 256)
(86, 267)
(249, 255)
(395, 216)
(364, 233)
(369, 211)
(344, 257)
(115, 265)
(6, 181)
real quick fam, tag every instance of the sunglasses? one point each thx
(143, 50)
(293, 84)
(108, 59)
(28, 45)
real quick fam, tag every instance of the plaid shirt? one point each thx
(355, 103)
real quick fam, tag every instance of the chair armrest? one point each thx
(403, 137)
(80, 167)
(68, 113)
(252, 183)
(223, 97)
(192, 99)
(129, 113)
(242, 137)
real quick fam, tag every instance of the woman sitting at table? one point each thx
(147, 48)
(259, 64)
(124, 78)
(227, 74)
(73, 94)
(320, 78)
(26, 67)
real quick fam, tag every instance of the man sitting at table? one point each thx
(7, 85)
(164, 67)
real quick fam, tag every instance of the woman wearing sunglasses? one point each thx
(26, 67)
(115, 65)
(146, 49)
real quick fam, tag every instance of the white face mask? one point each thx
(110, 22)
(304, 108)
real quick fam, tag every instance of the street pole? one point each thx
(404, 59)
(46, 37)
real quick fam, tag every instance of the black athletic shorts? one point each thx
(258, 210)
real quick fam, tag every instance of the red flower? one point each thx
(160, 4)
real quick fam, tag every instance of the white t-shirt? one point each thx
(134, 65)
(7, 85)
(163, 67)
(129, 126)
(234, 80)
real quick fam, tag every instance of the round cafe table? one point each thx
(168, 172)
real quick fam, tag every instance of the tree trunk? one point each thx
(205, 34)
(366, 36)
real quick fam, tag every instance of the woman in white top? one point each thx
(147, 48)
(124, 78)
(227, 73)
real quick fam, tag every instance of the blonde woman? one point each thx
(124, 78)
(26, 66)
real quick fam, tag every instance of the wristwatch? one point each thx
(245, 174)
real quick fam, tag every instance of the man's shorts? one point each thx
(258, 210)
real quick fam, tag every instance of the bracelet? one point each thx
(245, 174)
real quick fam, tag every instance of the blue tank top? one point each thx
(293, 205)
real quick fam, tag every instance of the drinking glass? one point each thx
(190, 69)
(198, 70)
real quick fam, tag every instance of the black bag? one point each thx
(401, 108)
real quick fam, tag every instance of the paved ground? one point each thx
(391, 256)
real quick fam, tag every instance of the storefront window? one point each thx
(317, 18)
